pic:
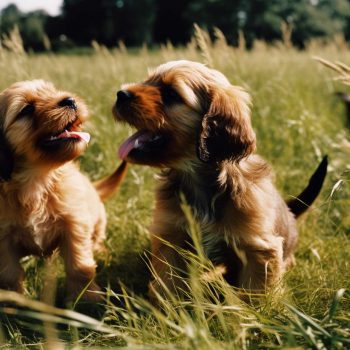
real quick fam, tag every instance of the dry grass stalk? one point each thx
(122, 47)
(47, 43)
(51, 312)
(340, 42)
(13, 42)
(220, 40)
(241, 41)
(286, 29)
(204, 43)
(339, 67)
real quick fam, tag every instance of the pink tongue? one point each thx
(76, 134)
(133, 142)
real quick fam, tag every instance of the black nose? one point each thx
(123, 96)
(68, 102)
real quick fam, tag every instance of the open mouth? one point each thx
(142, 141)
(71, 133)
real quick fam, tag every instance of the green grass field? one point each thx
(297, 119)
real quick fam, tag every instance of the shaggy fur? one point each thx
(196, 126)
(45, 201)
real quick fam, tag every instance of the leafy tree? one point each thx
(136, 19)
(10, 17)
(172, 22)
(32, 29)
(309, 18)
(224, 14)
(86, 20)
(31, 25)
(109, 20)
(139, 21)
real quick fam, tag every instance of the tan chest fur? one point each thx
(35, 217)
(33, 223)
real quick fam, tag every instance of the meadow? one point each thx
(298, 119)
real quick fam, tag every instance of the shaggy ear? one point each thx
(6, 159)
(226, 131)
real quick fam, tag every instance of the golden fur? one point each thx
(196, 126)
(45, 201)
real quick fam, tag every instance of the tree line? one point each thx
(136, 22)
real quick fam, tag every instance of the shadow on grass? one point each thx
(130, 271)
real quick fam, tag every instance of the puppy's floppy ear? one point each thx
(6, 159)
(226, 131)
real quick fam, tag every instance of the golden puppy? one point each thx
(196, 126)
(45, 201)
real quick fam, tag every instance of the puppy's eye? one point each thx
(169, 95)
(27, 110)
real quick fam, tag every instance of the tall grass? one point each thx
(297, 118)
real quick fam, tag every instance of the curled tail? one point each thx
(303, 201)
(109, 185)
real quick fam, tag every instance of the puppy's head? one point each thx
(39, 126)
(185, 110)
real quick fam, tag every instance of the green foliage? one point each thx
(32, 30)
(172, 21)
(108, 21)
(10, 16)
(157, 21)
(297, 118)
(308, 18)
(31, 26)
(220, 13)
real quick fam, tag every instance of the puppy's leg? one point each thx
(99, 234)
(77, 252)
(167, 263)
(263, 265)
(11, 272)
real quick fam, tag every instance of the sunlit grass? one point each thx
(297, 118)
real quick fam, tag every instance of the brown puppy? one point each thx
(196, 126)
(45, 201)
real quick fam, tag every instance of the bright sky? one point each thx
(51, 6)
